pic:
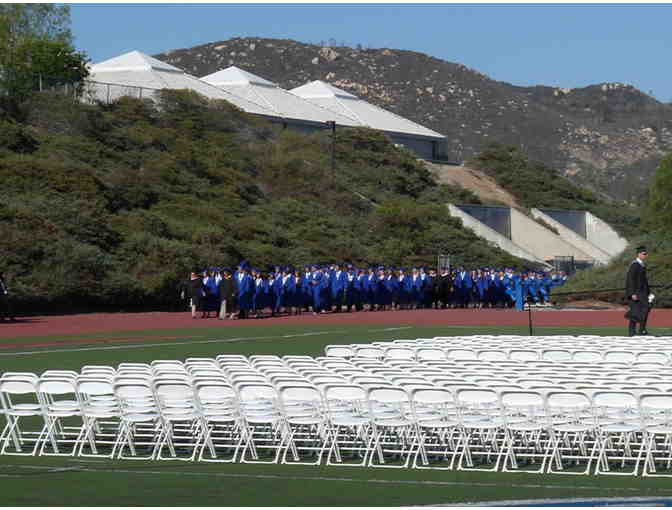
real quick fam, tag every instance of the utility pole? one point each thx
(332, 125)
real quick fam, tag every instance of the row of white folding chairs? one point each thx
(425, 352)
(466, 371)
(97, 416)
(135, 400)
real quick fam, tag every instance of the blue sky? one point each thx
(570, 45)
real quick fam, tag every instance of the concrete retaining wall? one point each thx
(482, 230)
(602, 235)
(537, 239)
(568, 235)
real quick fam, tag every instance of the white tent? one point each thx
(140, 75)
(285, 105)
(419, 138)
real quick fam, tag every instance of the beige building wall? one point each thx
(537, 239)
(489, 234)
(601, 234)
(568, 235)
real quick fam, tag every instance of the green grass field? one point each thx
(61, 481)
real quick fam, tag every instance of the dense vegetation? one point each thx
(534, 185)
(110, 206)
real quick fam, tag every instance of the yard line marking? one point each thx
(161, 344)
(391, 329)
(225, 340)
(338, 479)
(621, 501)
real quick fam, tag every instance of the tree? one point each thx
(35, 49)
(657, 214)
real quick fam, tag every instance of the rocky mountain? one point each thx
(609, 137)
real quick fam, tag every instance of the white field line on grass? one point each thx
(55, 469)
(162, 344)
(618, 501)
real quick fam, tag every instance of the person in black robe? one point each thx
(227, 295)
(5, 305)
(637, 293)
(196, 294)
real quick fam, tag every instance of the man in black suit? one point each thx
(637, 293)
(227, 293)
(5, 305)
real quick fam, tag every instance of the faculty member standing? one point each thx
(637, 293)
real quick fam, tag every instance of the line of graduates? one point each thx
(250, 292)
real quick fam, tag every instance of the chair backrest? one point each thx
(430, 353)
(209, 391)
(556, 355)
(614, 400)
(652, 357)
(587, 356)
(524, 355)
(619, 356)
(97, 369)
(308, 399)
(568, 400)
(492, 355)
(252, 392)
(477, 397)
(461, 354)
(399, 353)
(94, 386)
(657, 405)
(369, 352)
(388, 399)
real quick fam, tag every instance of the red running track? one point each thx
(120, 322)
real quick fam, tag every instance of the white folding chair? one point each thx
(59, 432)
(656, 414)
(100, 415)
(305, 421)
(182, 420)
(619, 424)
(141, 425)
(435, 414)
(480, 420)
(217, 402)
(261, 423)
(349, 425)
(20, 402)
(393, 431)
(572, 429)
(524, 422)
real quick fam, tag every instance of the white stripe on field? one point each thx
(161, 344)
(329, 478)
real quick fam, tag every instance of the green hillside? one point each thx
(108, 207)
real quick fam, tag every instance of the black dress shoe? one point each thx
(643, 333)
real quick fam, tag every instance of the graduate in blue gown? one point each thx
(351, 288)
(245, 286)
(338, 286)
(317, 289)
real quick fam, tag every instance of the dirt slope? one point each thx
(482, 185)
